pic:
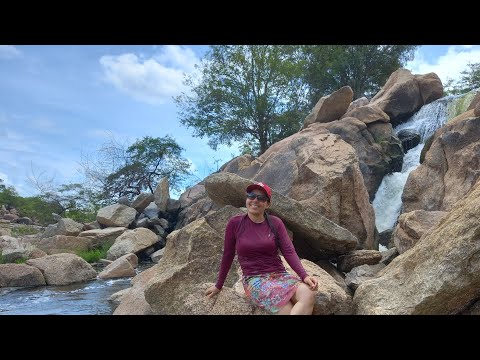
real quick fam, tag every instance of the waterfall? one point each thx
(388, 199)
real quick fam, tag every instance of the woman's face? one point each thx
(255, 206)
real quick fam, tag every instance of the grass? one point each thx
(24, 230)
(92, 256)
(18, 261)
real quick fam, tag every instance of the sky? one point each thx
(59, 103)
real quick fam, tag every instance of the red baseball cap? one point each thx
(260, 186)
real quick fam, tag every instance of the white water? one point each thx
(388, 199)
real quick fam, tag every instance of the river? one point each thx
(87, 298)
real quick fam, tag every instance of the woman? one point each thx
(257, 237)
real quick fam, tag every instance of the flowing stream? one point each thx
(388, 199)
(87, 298)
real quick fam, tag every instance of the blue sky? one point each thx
(57, 102)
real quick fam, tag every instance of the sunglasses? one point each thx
(261, 198)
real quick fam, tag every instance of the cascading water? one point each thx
(388, 199)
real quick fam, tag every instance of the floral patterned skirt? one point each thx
(271, 291)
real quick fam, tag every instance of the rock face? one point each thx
(192, 256)
(132, 241)
(449, 170)
(404, 93)
(116, 215)
(321, 171)
(413, 225)
(314, 231)
(63, 269)
(16, 275)
(441, 275)
(331, 107)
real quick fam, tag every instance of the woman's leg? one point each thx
(286, 309)
(303, 301)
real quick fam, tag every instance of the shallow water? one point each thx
(87, 298)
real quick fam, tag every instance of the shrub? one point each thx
(94, 255)
(24, 230)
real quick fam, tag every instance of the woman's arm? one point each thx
(288, 250)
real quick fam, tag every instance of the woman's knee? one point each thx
(304, 293)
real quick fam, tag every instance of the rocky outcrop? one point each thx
(404, 93)
(63, 269)
(378, 149)
(331, 107)
(323, 237)
(357, 258)
(413, 225)
(133, 302)
(441, 275)
(192, 256)
(449, 170)
(132, 241)
(162, 194)
(321, 171)
(17, 275)
(116, 215)
(124, 266)
(62, 244)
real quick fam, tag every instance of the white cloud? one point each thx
(152, 80)
(9, 52)
(449, 65)
(177, 57)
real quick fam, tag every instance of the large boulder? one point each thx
(63, 269)
(449, 170)
(19, 275)
(322, 172)
(331, 107)
(192, 256)
(321, 234)
(440, 275)
(116, 215)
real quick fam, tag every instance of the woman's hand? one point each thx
(211, 291)
(311, 282)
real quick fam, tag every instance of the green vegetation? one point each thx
(120, 171)
(260, 94)
(24, 230)
(470, 80)
(2, 260)
(365, 68)
(247, 93)
(460, 105)
(145, 163)
(21, 261)
(94, 255)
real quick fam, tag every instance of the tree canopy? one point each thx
(253, 94)
(128, 172)
(260, 94)
(469, 80)
(365, 68)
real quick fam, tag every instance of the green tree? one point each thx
(251, 94)
(8, 196)
(470, 80)
(142, 166)
(365, 68)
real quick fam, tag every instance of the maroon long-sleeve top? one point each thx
(256, 248)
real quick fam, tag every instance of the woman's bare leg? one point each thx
(286, 309)
(303, 300)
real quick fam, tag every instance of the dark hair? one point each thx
(274, 230)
